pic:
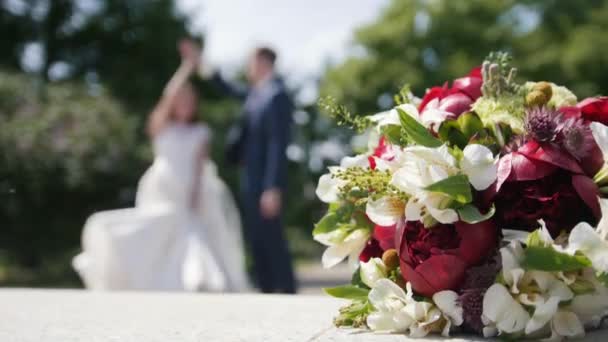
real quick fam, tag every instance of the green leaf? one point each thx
(460, 131)
(470, 214)
(457, 187)
(418, 133)
(328, 223)
(337, 213)
(534, 239)
(550, 260)
(393, 134)
(347, 292)
(470, 124)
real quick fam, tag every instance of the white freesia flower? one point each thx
(447, 302)
(590, 308)
(389, 301)
(591, 242)
(583, 238)
(479, 164)
(398, 311)
(372, 271)
(385, 211)
(504, 306)
(342, 244)
(328, 187)
(566, 324)
(502, 313)
(421, 167)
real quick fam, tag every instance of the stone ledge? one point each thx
(82, 316)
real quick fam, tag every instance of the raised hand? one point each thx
(190, 51)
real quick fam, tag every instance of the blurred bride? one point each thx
(184, 232)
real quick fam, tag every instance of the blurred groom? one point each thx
(257, 143)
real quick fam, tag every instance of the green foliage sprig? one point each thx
(404, 95)
(342, 116)
(498, 75)
(365, 184)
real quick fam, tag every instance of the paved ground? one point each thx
(312, 277)
(84, 316)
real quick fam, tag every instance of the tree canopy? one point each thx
(425, 43)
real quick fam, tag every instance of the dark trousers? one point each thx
(272, 268)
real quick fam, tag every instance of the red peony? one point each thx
(455, 100)
(541, 181)
(436, 259)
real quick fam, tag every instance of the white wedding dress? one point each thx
(162, 244)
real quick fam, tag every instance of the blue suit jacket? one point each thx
(259, 140)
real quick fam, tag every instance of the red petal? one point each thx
(570, 112)
(477, 241)
(475, 72)
(504, 170)
(551, 154)
(587, 190)
(456, 103)
(431, 94)
(470, 86)
(437, 273)
(385, 236)
(595, 109)
(594, 161)
(372, 162)
(523, 168)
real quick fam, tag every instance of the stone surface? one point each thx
(81, 316)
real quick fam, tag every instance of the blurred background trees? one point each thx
(424, 43)
(77, 77)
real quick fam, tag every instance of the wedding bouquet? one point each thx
(475, 209)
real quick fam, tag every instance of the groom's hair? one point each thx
(266, 54)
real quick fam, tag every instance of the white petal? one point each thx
(434, 117)
(328, 188)
(499, 307)
(387, 296)
(333, 255)
(445, 216)
(479, 164)
(490, 331)
(447, 302)
(418, 310)
(600, 134)
(385, 211)
(566, 323)
(511, 256)
(542, 315)
(413, 210)
(356, 161)
(544, 234)
(385, 321)
(372, 271)
(590, 308)
(602, 226)
(585, 239)
(357, 238)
